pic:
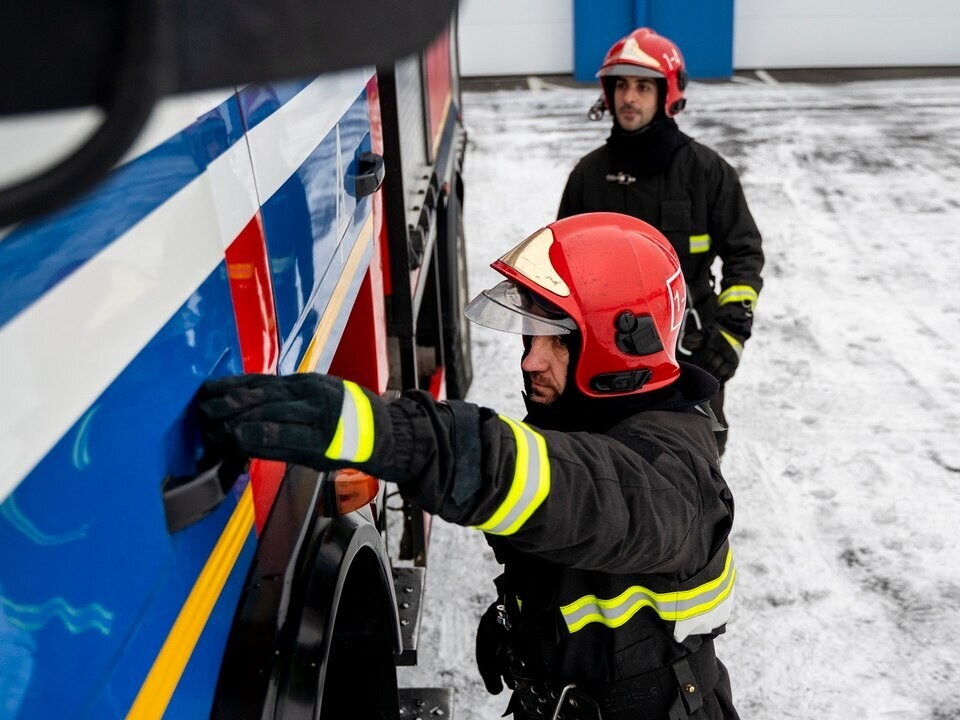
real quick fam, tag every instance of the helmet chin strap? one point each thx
(597, 110)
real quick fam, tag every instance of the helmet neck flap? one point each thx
(647, 151)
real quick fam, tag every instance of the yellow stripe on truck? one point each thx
(161, 681)
(312, 356)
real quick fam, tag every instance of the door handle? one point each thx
(370, 173)
(190, 498)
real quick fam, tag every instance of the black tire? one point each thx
(454, 296)
(361, 675)
(315, 632)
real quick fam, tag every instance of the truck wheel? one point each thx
(454, 298)
(342, 660)
(317, 628)
(361, 674)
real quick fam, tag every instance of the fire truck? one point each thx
(273, 226)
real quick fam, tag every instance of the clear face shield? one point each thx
(512, 308)
(625, 70)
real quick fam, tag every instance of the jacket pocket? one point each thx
(675, 216)
(637, 658)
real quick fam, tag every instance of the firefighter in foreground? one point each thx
(606, 505)
(649, 169)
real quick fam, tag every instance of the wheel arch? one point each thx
(314, 583)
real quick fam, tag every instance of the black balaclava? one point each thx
(646, 151)
(573, 411)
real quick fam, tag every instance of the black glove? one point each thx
(493, 653)
(291, 418)
(715, 349)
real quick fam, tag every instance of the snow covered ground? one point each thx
(844, 451)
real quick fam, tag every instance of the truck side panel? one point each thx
(439, 87)
(103, 318)
(136, 313)
(304, 161)
(231, 238)
(116, 311)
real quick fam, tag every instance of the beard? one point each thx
(540, 389)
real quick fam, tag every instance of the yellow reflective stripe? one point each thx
(365, 446)
(353, 439)
(161, 681)
(671, 607)
(734, 343)
(699, 244)
(530, 484)
(739, 294)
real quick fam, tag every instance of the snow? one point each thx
(843, 453)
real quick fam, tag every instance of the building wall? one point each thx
(516, 37)
(520, 37)
(852, 33)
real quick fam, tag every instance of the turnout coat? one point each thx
(615, 543)
(689, 193)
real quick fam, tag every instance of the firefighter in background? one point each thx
(649, 169)
(606, 506)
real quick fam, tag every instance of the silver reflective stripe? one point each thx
(705, 622)
(699, 610)
(699, 244)
(739, 294)
(530, 484)
(353, 440)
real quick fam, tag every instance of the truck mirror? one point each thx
(124, 56)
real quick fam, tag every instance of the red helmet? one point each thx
(613, 278)
(643, 53)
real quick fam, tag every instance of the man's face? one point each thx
(635, 102)
(546, 365)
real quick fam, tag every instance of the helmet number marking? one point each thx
(677, 290)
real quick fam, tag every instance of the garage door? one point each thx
(852, 33)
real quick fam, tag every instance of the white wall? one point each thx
(519, 37)
(516, 37)
(845, 33)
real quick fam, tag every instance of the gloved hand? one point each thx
(715, 349)
(291, 418)
(493, 650)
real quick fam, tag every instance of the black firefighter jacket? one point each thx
(615, 543)
(692, 195)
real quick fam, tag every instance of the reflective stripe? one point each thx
(739, 294)
(699, 610)
(734, 343)
(161, 682)
(530, 485)
(706, 622)
(353, 440)
(699, 244)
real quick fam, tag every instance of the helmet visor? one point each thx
(512, 308)
(629, 70)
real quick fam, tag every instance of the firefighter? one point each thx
(606, 505)
(650, 169)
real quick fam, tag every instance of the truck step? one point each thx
(408, 582)
(426, 703)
